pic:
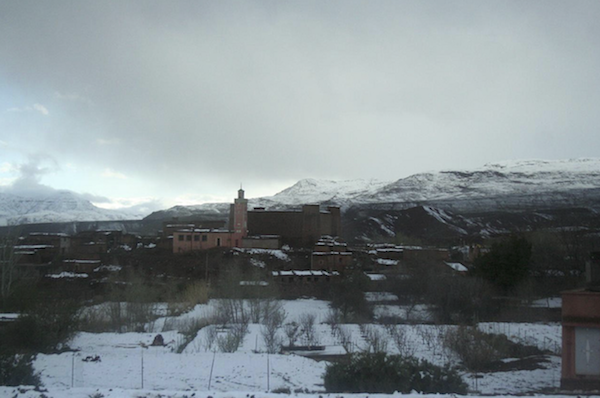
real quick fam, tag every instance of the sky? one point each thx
(179, 102)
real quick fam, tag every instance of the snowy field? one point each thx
(126, 365)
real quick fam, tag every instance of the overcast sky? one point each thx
(181, 101)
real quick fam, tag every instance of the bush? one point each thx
(17, 370)
(196, 293)
(480, 351)
(381, 373)
(43, 329)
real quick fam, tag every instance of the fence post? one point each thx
(211, 369)
(268, 374)
(142, 368)
(73, 371)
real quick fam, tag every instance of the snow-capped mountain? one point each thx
(521, 178)
(504, 185)
(531, 184)
(326, 191)
(54, 207)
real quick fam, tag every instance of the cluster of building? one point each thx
(82, 252)
(257, 228)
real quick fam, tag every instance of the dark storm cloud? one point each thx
(181, 92)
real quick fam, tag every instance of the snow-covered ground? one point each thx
(126, 365)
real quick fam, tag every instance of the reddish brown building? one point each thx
(330, 255)
(191, 238)
(300, 228)
(581, 333)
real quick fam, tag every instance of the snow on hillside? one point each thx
(497, 179)
(317, 191)
(493, 181)
(58, 206)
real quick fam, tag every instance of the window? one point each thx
(196, 238)
(188, 238)
(587, 348)
(180, 237)
(204, 238)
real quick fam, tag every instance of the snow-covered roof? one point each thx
(457, 267)
(254, 283)
(33, 247)
(376, 277)
(305, 273)
(66, 275)
(386, 262)
(332, 253)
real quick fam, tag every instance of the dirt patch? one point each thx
(514, 364)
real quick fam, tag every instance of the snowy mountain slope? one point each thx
(58, 206)
(317, 191)
(505, 186)
(533, 177)
(496, 186)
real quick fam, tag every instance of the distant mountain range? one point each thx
(454, 201)
(55, 207)
(507, 185)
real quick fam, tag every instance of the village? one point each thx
(270, 262)
(311, 230)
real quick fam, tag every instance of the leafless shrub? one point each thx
(400, 339)
(234, 337)
(273, 312)
(472, 346)
(273, 317)
(345, 339)
(308, 330)
(292, 331)
(334, 318)
(375, 339)
(210, 337)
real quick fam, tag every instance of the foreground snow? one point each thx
(123, 365)
(28, 392)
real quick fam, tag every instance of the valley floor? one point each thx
(126, 365)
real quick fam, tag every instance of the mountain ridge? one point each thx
(505, 186)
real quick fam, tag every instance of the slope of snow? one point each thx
(60, 206)
(493, 185)
(490, 185)
(498, 179)
(317, 191)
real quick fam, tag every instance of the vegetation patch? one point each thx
(381, 373)
(484, 352)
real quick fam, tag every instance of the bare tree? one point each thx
(309, 332)
(291, 331)
(345, 338)
(271, 325)
(375, 339)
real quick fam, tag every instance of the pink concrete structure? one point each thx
(189, 239)
(238, 216)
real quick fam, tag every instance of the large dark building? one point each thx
(300, 228)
